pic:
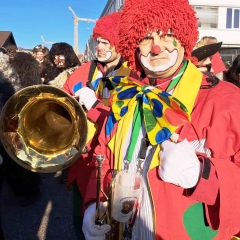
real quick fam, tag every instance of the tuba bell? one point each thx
(43, 128)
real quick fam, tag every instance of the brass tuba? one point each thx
(43, 128)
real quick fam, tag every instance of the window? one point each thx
(213, 25)
(236, 18)
(233, 18)
(207, 16)
(229, 18)
(120, 3)
(229, 54)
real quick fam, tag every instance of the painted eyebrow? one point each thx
(102, 40)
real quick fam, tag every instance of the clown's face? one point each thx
(160, 54)
(59, 61)
(105, 52)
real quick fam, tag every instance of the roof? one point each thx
(5, 37)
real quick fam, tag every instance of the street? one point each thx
(50, 218)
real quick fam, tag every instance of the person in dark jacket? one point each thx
(41, 52)
(233, 73)
(20, 72)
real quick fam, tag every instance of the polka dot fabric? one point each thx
(162, 113)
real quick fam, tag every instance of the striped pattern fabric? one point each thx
(200, 146)
(143, 226)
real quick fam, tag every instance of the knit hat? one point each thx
(140, 17)
(107, 28)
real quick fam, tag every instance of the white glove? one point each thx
(90, 229)
(179, 164)
(149, 87)
(87, 97)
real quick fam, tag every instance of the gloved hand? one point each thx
(87, 97)
(149, 87)
(90, 229)
(179, 164)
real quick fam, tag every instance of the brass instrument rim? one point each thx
(78, 118)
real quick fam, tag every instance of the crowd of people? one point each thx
(162, 117)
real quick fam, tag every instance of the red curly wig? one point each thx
(107, 28)
(142, 16)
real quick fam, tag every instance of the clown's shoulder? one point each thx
(220, 89)
(81, 74)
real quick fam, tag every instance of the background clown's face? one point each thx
(160, 54)
(105, 52)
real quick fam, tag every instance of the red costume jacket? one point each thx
(82, 168)
(212, 209)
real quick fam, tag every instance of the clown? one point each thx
(108, 63)
(90, 85)
(176, 129)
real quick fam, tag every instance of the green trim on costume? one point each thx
(177, 78)
(137, 122)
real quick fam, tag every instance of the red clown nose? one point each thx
(156, 49)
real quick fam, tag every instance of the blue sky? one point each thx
(30, 19)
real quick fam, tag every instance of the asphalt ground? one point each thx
(50, 218)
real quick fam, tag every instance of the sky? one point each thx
(28, 20)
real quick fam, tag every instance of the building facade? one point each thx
(220, 19)
(89, 50)
(217, 18)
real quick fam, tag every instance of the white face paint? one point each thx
(102, 53)
(107, 54)
(160, 54)
(173, 56)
